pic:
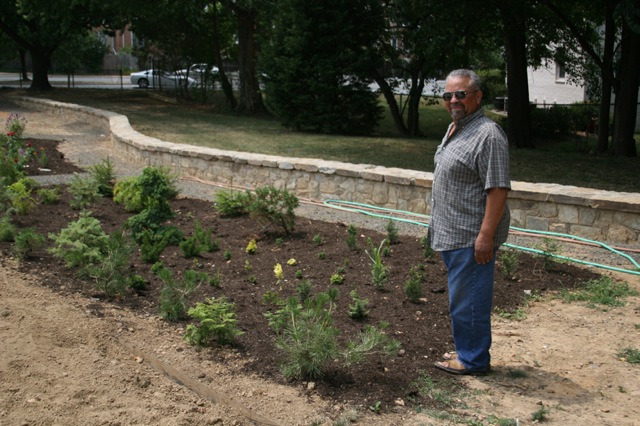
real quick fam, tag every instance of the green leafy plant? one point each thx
(20, 194)
(8, 230)
(550, 249)
(509, 260)
(413, 287)
(322, 255)
(602, 291)
(156, 186)
(190, 247)
(376, 408)
(136, 283)
(630, 355)
(205, 238)
(308, 338)
(84, 191)
(299, 274)
(379, 272)
(540, 415)
(104, 176)
(227, 254)
(428, 252)
(232, 204)
(152, 244)
(274, 207)
(336, 278)
(49, 196)
(352, 237)
(27, 241)
(111, 272)
(304, 289)
(41, 157)
(392, 232)
(173, 296)
(317, 240)
(358, 310)
(127, 193)
(252, 247)
(81, 243)
(217, 322)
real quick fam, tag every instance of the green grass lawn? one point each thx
(554, 161)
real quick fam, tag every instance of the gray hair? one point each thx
(464, 73)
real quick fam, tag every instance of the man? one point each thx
(470, 218)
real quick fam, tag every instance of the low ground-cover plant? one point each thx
(217, 322)
(603, 291)
(630, 355)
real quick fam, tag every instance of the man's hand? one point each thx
(496, 201)
(483, 249)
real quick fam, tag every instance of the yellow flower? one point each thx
(252, 247)
(292, 262)
(277, 271)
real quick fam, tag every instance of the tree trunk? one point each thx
(623, 142)
(40, 57)
(394, 110)
(413, 113)
(227, 88)
(518, 110)
(607, 83)
(23, 64)
(250, 96)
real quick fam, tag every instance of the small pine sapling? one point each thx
(413, 288)
(352, 238)
(358, 310)
(392, 232)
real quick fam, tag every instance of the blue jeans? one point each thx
(470, 301)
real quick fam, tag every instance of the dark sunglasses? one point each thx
(459, 94)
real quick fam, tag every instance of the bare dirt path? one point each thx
(77, 361)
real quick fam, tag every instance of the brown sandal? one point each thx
(454, 366)
(450, 355)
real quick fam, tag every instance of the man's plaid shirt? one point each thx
(468, 163)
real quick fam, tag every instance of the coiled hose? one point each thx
(420, 220)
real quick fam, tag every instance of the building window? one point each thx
(560, 73)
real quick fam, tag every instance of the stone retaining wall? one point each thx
(594, 214)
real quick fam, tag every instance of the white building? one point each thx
(549, 85)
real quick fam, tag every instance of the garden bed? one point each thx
(320, 250)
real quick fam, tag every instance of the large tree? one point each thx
(314, 59)
(41, 26)
(615, 51)
(421, 42)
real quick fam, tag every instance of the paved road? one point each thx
(77, 81)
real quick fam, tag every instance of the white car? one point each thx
(197, 70)
(158, 78)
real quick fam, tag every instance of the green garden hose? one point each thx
(391, 214)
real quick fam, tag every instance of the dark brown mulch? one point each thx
(56, 163)
(423, 329)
